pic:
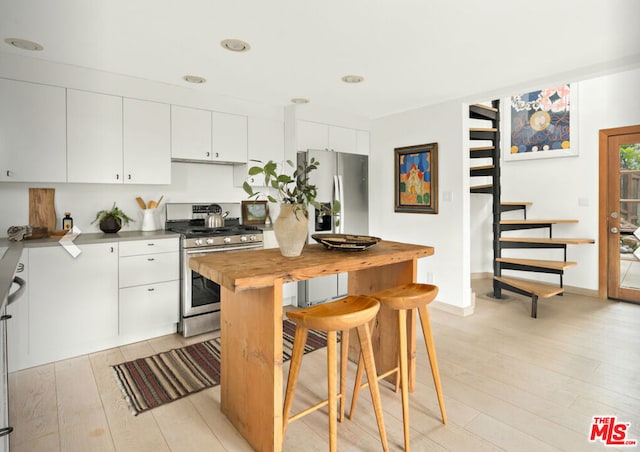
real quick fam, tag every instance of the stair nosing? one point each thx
(539, 263)
(526, 286)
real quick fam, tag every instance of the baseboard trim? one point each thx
(570, 289)
(581, 291)
(456, 310)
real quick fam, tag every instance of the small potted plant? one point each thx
(294, 193)
(110, 221)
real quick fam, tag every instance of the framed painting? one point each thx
(541, 124)
(416, 178)
(254, 212)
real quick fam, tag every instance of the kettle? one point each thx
(215, 217)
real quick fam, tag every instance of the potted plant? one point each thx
(294, 193)
(111, 220)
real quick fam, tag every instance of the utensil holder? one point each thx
(149, 221)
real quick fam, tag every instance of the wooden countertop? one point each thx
(243, 270)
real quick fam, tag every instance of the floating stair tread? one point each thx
(483, 167)
(553, 241)
(552, 265)
(532, 287)
(483, 129)
(514, 203)
(482, 188)
(482, 148)
(536, 221)
(485, 107)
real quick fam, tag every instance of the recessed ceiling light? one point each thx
(235, 45)
(300, 100)
(352, 79)
(23, 44)
(194, 79)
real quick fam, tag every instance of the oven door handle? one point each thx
(15, 295)
(219, 250)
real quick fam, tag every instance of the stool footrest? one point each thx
(312, 409)
(381, 376)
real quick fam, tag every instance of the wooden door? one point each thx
(620, 229)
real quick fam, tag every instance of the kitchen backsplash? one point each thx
(190, 182)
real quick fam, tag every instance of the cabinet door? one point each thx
(33, 143)
(342, 139)
(311, 135)
(144, 308)
(94, 137)
(229, 138)
(148, 268)
(147, 142)
(73, 302)
(190, 133)
(362, 142)
(266, 142)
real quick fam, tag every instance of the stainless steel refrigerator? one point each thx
(344, 177)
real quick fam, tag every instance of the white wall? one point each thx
(566, 187)
(190, 182)
(448, 230)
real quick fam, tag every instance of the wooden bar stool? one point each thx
(405, 298)
(341, 315)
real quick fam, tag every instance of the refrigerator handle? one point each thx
(337, 181)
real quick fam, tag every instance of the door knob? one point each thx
(614, 230)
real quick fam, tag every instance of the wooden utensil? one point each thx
(42, 211)
(141, 203)
(159, 200)
(152, 204)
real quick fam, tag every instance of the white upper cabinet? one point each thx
(147, 142)
(190, 133)
(266, 142)
(314, 135)
(229, 138)
(311, 135)
(342, 139)
(32, 132)
(362, 142)
(94, 137)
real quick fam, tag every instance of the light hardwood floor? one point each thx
(510, 382)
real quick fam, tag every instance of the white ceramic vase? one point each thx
(291, 230)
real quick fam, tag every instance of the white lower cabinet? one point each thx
(148, 307)
(111, 294)
(149, 281)
(73, 306)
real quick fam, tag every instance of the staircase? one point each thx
(489, 157)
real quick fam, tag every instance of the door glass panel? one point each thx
(630, 215)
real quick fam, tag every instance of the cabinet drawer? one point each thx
(136, 247)
(149, 268)
(147, 307)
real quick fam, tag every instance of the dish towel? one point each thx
(17, 233)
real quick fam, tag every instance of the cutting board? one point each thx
(42, 211)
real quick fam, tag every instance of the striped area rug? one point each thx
(155, 380)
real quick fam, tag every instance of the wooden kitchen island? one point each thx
(251, 328)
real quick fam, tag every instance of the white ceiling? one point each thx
(410, 52)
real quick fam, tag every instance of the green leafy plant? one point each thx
(118, 215)
(295, 189)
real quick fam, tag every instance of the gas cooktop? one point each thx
(201, 231)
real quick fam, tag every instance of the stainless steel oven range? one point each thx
(200, 297)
